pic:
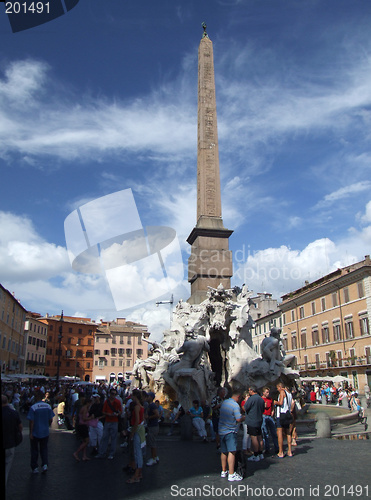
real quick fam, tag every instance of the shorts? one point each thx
(228, 442)
(152, 433)
(254, 431)
(280, 426)
(82, 431)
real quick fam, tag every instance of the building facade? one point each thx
(326, 324)
(118, 344)
(12, 339)
(36, 337)
(70, 347)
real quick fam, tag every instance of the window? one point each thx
(325, 335)
(361, 290)
(318, 363)
(293, 341)
(113, 351)
(340, 358)
(97, 352)
(313, 306)
(284, 318)
(89, 354)
(139, 352)
(349, 331)
(303, 339)
(346, 294)
(129, 339)
(70, 330)
(364, 326)
(128, 352)
(323, 304)
(139, 340)
(306, 362)
(284, 343)
(301, 312)
(80, 331)
(334, 299)
(337, 331)
(315, 336)
(293, 315)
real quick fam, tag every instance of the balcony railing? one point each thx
(336, 363)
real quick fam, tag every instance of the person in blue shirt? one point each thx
(40, 416)
(198, 421)
(229, 421)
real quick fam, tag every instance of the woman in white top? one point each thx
(284, 404)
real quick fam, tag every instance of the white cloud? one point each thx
(344, 192)
(366, 217)
(24, 255)
(281, 270)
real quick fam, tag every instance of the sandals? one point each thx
(133, 480)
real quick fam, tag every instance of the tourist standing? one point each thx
(40, 417)
(85, 421)
(216, 403)
(283, 421)
(269, 425)
(153, 417)
(112, 410)
(12, 433)
(254, 409)
(229, 419)
(137, 436)
(96, 431)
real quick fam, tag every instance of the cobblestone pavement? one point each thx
(321, 468)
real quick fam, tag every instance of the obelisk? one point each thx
(210, 262)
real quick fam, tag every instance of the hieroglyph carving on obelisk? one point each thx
(210, 262)
(208, 177)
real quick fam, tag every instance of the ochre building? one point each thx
(326, 324)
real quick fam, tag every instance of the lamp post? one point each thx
(59, 348)
(171, 302)
(77, 350)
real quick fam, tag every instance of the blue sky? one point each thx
(104, 98)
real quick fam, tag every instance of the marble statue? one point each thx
(210, 345)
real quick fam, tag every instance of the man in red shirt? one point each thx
(269, 425)
(112, 409)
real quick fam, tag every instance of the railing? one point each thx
(336, 363)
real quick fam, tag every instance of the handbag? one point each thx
(286, 417)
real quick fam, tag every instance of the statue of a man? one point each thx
(191, 351)
(270, 349)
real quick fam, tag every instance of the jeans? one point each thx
(36, 445)
(110, 432)
(269, 427)
(138, 451)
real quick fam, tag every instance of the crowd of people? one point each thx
(100, 414)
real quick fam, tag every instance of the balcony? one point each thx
(336, 363)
